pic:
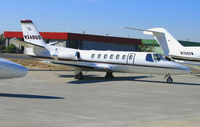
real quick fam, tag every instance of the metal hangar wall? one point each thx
(83, 41)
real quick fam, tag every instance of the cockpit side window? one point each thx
(157, 57)
(149, 58)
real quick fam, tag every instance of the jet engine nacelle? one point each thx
(72, 55)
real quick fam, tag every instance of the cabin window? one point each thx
(117, 56)
(93, 55)
(149, 58)
(105, 56)
(99, 56)
(111, 56)
(123, 57)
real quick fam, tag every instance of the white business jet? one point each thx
(171, 46)
(95, 60)
(10, 69)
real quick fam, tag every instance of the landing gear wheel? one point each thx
(79, 76)
(109, 75)
(169, 80)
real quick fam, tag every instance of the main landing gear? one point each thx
(79, 76)
(169, 79)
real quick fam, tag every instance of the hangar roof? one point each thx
(76, 36)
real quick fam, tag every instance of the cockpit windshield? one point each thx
(154, 57)
(157, 57)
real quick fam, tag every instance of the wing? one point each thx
(87, 66)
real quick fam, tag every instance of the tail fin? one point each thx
(34, 43)
(31, 34)
(166, 41)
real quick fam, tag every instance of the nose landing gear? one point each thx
(169, 79)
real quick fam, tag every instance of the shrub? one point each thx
(11, 48)
(145, 48)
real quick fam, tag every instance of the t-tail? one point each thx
(33, 41)
(31, 34)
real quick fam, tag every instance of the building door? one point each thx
(130, 58)
(22, 49)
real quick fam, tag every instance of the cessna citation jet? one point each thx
(10, 69)
(171, 47)
(94, 60)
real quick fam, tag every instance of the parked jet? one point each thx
(10, 69)
(171, 47)
(95, 60)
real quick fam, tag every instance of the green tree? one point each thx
(145, 48)
(11, 48)
(2, 42)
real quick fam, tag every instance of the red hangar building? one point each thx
(81, 41)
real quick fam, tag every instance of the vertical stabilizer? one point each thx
(31, 34)
(36, 46)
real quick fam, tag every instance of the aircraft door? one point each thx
(130, 58)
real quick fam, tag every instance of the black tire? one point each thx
(79, 76)
(169, 80)
(109, 75)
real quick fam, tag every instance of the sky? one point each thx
(101, 17)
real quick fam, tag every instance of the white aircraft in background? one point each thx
(10, 69)
(95, 60)
(171, 47)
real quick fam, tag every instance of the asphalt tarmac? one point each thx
(15, 56)
(56, 99)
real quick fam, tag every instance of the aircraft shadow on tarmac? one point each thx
(91, 79)
(31, 96)
(174, 83)
(72, 76)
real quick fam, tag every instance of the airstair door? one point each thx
(130, 58)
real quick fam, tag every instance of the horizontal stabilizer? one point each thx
(36, 50)
(25, 44)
